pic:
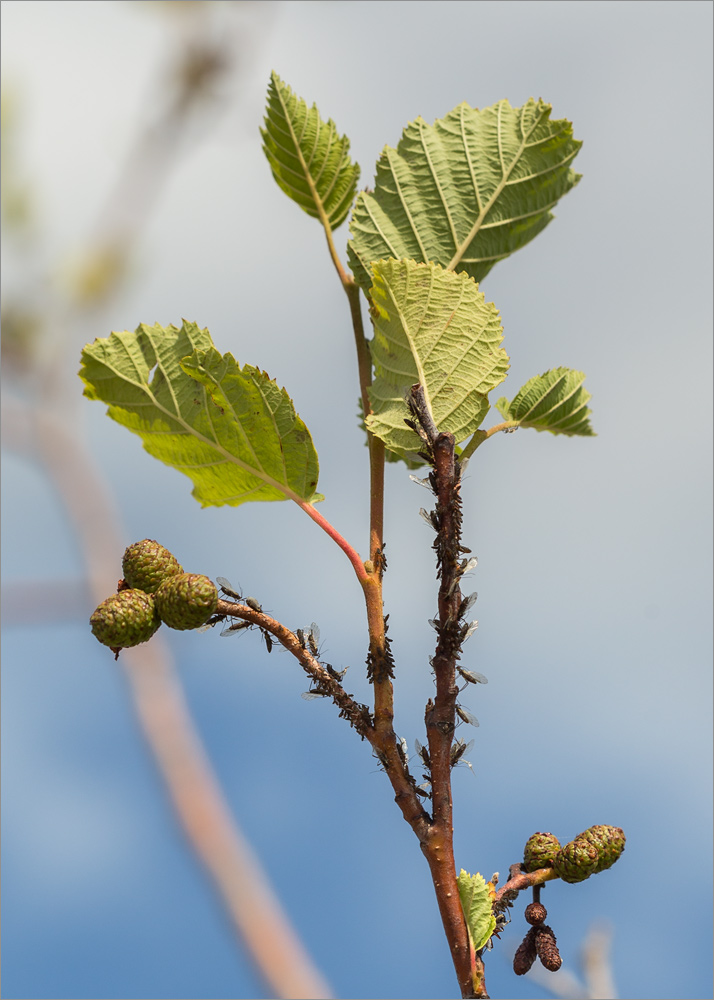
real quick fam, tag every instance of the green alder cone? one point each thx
(576, 861)
(125, 619)
(147, 564)
(186, 600)
(609, 842)
(540, 851)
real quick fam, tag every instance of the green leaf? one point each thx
(231, 430)
(466, 191)
(411, 462)
(308, 158)
(433, 327)
(554, 401)
(476, 901)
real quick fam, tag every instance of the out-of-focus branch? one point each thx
(215, 837)
(42, 427)
(168, 729)
(596, 968)
(596, 962)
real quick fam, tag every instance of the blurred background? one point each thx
(135, 190)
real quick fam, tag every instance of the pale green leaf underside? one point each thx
(555, 401)
(466, 191)
(231, 430)
(308, 158)
(476, 904)
(433, 327)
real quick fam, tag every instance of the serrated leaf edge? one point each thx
(471, 884)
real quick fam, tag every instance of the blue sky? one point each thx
(594, 574)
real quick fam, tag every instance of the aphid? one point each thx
(235, 628)
(213, 620)
(454, 583)
(423, 790)
(380, 560)
(314, 693)
(502, 919)
(468, 564)
(381, 757)
(469, 630)
(335, 674)
(472, 676)
(403, 748)
(421, 482)
(301, 637)
(467, 604)
(228, 589)
(423, 753)
(313, 638)
(429, 517)
(466, 716)
(269, 641)
(458, 749)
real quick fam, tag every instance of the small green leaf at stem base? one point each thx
(476, 902)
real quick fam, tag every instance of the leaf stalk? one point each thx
(351, 553)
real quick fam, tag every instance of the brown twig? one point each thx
(441, 713)
(357, 714)
(384, 743)
(518, 880)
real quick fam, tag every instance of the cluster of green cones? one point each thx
(154, 589)
(594, 850)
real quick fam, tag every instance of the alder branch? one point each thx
(384, 743)
(518, 880)
(440, 715)
(357, 714)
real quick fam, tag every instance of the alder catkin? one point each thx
(536, 913)
(525, 954)
(547, 948)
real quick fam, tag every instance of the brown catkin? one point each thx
(536, 913)
(525, 954)
(547, 948)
